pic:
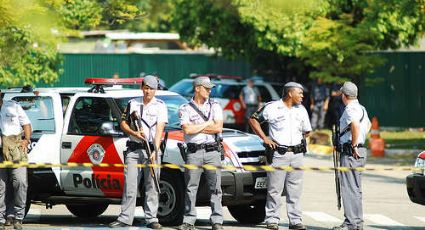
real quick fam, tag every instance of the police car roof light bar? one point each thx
(99, 83)
(114, 81)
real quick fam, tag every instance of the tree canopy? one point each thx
(332, 39)
(31, 29)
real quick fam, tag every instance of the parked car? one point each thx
(227, 92)
(415, 182)
(81, 125)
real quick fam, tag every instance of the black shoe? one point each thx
(154, 225)
(343, 227)
(186, 226)
(117, 224)
(298, 226)
(17, 224)
(9, 221)
(272, 226)
(217, 227)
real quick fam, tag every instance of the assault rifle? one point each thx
(336, 153)
(138, 123)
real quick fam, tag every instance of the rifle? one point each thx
(138, 123)
(336, 155)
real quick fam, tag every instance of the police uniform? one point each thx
(286, 128)
(320, 93)
(351, 189)
(199, 153)
(152, 113)
(12, 118)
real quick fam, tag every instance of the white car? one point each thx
(81, 125)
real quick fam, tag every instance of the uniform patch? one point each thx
(96, 153)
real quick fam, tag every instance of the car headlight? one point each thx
(420, 165)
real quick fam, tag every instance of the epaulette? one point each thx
(160, 101)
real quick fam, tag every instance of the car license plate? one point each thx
(260, 183)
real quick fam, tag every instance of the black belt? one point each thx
(348, 149)
(282, 149)
(132, 145)
(209, 147)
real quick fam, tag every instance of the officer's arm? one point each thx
(158, 135)
(216, 127)
(242, 100)
(355, 129)
(256, 126)
(125, 127)
(191, 129)
(27, 132)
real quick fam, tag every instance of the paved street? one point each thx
(386, 205)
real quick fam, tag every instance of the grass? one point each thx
(404, 139)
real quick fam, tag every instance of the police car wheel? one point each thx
(87, 210)
(249, 213)
(171, 198)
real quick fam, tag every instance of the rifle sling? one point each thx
(348, 127)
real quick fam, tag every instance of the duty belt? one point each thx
(132, 145)
(282, 149)
(209, 147)
(348, 149)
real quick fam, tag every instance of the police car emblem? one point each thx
(96, 153)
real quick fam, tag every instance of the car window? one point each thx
(265, 94)
(173, 103)
(278, 88)
(226, 91)
(40, 112)
(92, 116)
(184, 88)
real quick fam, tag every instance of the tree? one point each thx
(31, 29)
(331, 39)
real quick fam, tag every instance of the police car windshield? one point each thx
(40, 112)
(173, 103)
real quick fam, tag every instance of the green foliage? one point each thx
(31, 29)
(80, 14)
(27, 44)
(332, 39)
(156, 16)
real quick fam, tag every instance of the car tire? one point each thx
(171, 198)
(249, 213)
(87, 210)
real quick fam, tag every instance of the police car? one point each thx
(226, 92)
(415, 182)
(74, 126)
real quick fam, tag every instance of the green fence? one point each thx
(399, 100)
(170, 67)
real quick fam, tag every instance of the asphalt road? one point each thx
(386, 204)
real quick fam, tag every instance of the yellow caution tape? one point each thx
(252, 168)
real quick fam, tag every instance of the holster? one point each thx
(268, 153)
(183, 150)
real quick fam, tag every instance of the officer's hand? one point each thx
(24, 145)
(270, 143)
(140, 135)
(356, 154)
(153, 157)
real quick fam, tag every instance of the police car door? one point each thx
(92, 136)
(44, 109)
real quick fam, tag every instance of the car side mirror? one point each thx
(107, 128)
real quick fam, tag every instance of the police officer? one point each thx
(153, 112)
(201, 119)
(250, 98)
(354, 125)
(288, 125)
(14, 122)
(319, 104)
